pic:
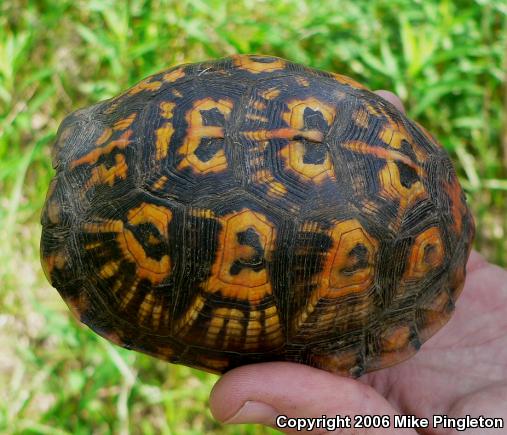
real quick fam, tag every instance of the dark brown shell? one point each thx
(251, 209)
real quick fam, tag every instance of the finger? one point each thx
(258, 393)
(392, 98)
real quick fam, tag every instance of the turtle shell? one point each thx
(251, 209)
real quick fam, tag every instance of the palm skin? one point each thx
(461, 370)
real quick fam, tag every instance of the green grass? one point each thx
(446, 59)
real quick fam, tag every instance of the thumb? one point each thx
(259, 393)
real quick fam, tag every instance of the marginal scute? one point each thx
(187, 320)
(348, 81)
(396, 338)
(341, 362)
(435, 314)
(53, 261)
(228, 323)
(458, 207)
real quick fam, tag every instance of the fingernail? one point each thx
(253, 412)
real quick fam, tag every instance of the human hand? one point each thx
(461, 370)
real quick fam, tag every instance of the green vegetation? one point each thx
(446, 59)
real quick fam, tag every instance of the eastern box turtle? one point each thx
(251, 209)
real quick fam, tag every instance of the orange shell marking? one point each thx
(103, 175)
(248, 283)
(92, 157)
(349, 268)
(393, 189)
(125, 123)
(145, 85)
(146, 267)
(426, 254)
(270, 94)
(174, 75)
(294, 152)
(165, 132)
(226, 321)
(390, 155)
(251, 64)
(344, 80)
(295, 116)
(197, 131)
(457, 205)
(345, 271)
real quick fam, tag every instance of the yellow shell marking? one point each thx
(255, 117)
(259, 105)
(53, 261)
(295, 115)
(160, 183)
(146, 308)
(104, 137)
(395, 346)
(302, 81)
(294, 153)
(154, 214)
(52, 211)
(109, 269)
